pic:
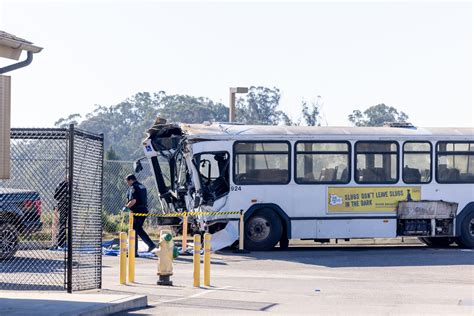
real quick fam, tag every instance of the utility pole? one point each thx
(232, 92)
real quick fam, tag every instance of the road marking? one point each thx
(193, 295)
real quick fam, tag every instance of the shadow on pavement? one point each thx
(359, 256)
(32, 274)
(30, 306)
(32, 265)
(10, 286)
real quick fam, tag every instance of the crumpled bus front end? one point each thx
(165, 150)
(188, 177)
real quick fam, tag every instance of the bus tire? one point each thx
(262, 230)
(466, 239)
(437, 242)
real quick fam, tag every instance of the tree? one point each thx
(310, 113)
(110, 154)
(377, 115)
(124, 124)
(189, 109)
(65, 122)
(259, 107)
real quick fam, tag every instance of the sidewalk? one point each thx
(60, 303)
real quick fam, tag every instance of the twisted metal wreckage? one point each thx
(183, 187)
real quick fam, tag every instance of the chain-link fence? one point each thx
(85, 238)
(50, 228)
(115, 197)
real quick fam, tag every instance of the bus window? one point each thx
(455, 162)
(376, 162)
(214, 174)
(261, 163)
(321, 162)
(417, 162)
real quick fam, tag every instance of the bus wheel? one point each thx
(467, 232)
(262, 230)
(437, 242)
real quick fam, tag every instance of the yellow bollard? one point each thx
(197, 260)
(207, 259)
(241, 231)
(130, 221)
(241, 234)
(123, 258)
(131, 255)
(184, 240)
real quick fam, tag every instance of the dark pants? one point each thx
(61, 235)
(139, 231)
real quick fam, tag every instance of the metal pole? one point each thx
(69, 215)
(101, 202)
(231, 106)
(232, 92)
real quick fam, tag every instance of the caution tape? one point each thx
(186, 214)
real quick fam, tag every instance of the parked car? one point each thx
(20, 215)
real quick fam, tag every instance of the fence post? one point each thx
(101, 202)
(69, 213)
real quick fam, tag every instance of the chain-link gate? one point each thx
(85, 238)
(50, 211)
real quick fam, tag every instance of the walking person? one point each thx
(61, 194)
(137, 203)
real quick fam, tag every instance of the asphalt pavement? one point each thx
(355, 279)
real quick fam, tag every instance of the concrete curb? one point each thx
(132, 302)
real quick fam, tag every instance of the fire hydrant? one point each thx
(166, 253)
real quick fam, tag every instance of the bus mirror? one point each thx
(137, 166)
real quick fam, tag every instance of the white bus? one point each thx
(319, 183)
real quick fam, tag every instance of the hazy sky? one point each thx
(416, 57)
